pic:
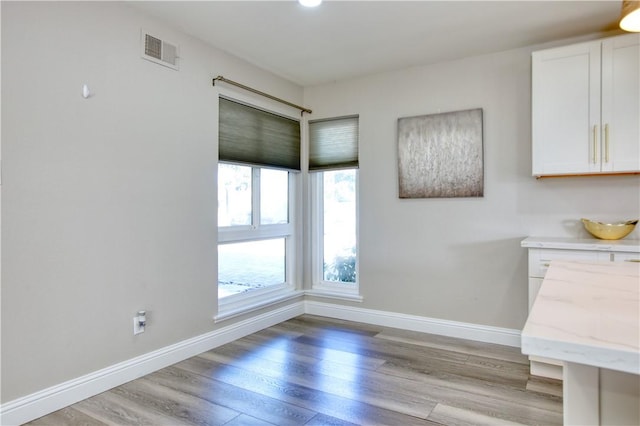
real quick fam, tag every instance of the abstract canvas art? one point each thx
(441, 155)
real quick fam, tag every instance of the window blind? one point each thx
(253, 136)
(333, 143)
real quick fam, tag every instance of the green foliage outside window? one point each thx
(342, 269)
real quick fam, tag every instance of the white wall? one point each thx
(109, 203)
(460, 258)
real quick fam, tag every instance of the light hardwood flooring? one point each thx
(318, 371)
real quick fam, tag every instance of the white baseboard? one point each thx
(38, 404)
(481, 333)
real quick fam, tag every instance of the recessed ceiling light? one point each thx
(310, 3)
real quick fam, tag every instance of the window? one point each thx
(252, 249)
(259, 155)
(333, 163)
(339, 226)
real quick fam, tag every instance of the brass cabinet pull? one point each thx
(632, 260)
(595, 144)
(606, 143)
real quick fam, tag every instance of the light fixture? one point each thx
(630, 16)
(310, 3)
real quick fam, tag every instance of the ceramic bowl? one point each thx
(609, 231)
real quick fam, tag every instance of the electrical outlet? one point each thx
(137, 327)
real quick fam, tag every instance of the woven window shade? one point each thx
(256, 137)
(333, 143)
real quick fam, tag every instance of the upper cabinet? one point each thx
(586, 108)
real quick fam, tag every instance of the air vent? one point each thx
(159, 51)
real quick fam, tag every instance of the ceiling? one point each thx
(345, 39)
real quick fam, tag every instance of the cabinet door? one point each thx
(534, 288)
(566, 109)
(621, 103)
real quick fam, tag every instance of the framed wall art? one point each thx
(441, 155)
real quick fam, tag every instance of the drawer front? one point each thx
(626, 257)
(539, 259)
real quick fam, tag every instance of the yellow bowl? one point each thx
(609, 231)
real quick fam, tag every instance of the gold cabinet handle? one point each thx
(606, 143)
(595, 144)
(632, 260)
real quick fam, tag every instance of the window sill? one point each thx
(231, 310)
(334, 294)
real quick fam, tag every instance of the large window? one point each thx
(259, 156)
(253, 228)
(333, 163)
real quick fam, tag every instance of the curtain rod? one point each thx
(250, 89)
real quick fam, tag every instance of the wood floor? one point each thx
(317, 371)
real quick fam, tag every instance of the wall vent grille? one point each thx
(159, 51)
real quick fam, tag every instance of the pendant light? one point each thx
(630, 20)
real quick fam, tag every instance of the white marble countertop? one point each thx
(593, 244)
(587, 313)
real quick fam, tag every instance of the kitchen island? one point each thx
(587, 315)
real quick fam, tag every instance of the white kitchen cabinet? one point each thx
(586, 108)
(540, 259)
(543, 251)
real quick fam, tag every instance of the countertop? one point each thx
(587, 313)
(593, 244)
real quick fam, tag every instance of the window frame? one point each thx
(320, 286)
(238, 304)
